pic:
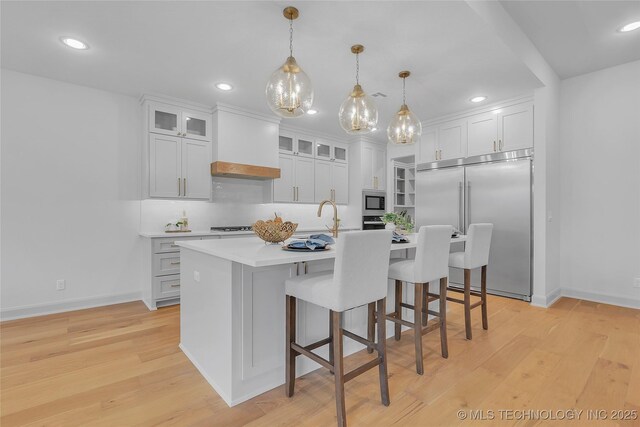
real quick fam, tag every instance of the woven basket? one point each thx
(274, 232)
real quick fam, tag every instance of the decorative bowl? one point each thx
(274, 232)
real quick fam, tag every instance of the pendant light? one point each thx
(405, 128)
(289, 91)
(358, 114)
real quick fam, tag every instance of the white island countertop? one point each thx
(254, 252)
(195, 233)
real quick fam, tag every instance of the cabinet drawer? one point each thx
(166, 287)
(164, 264)
(169, 244)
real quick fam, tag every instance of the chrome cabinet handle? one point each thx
(436, 154)
(184, 182)
(175, 285)
(175, 263)
(294, 193)
(179, 134)
(179, 187)
(500, 145)
(173, 245)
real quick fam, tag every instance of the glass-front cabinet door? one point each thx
(340, 154)
(196, 126)
(323, 150)
(305, 146)
(285, 143)
(164, 119)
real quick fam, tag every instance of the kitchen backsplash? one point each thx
(154, 214)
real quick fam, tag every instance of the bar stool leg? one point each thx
(331, 339)
(443, 318)
(290, 368)
(371, 324)
(382, 351)
(467, 302)
(417, 327)
(425, 290)
(483, 295)
(398, 301)
(338, 367)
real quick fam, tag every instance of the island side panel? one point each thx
(206, 317)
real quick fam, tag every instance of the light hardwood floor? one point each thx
(120, 366)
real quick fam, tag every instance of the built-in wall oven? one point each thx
(373, 207)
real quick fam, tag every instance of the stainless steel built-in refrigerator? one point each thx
(493, 188)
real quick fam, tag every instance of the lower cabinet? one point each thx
(163, 280)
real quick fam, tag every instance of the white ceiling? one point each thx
(182, 48)
(577, 37)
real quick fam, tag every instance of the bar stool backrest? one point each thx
(432, 253)
(478, 245)
(361, 268)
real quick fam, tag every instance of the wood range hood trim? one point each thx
(239, 170)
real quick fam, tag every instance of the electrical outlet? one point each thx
(196, 276)
(61, 285)
(636, 283)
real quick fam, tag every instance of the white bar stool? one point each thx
(475, 255)
(359, 278)
(430, 263)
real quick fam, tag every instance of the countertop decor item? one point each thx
(405, 127)
(358, 114)
(401, 222)
(274, 231)
(289, 91)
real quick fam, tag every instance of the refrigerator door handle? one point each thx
(468, 206)
(460, 207)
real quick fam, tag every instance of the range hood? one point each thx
(246, 144)
(239, 170)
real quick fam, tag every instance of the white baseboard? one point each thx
(69, 305)
(602, 298)
(548, 300)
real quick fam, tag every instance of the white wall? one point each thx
(600, 158)
(70, 195)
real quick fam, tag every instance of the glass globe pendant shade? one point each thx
(405, 128)
(289, 91)
(358, 114)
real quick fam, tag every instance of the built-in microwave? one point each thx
(373, 203)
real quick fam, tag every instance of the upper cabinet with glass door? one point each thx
(296, 145)
(332, 151)
(175, 121)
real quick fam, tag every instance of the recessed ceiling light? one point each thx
(224, 86)
(477, 99)
(630, 27)
(312, 112)
(74, 43)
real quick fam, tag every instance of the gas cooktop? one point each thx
(232, 228)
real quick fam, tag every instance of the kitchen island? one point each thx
(232, 324)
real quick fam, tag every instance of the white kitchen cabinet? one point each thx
(504, 129)
(515, 127)
(428, 145)
(165, 166)
(178, 167)
(173, 120)
(483, 134)
(452, 140)
(329, 150)
(296, 182)
(374, 158)
(297, 145)
(331, 182)
(444, 141)
(196, 172)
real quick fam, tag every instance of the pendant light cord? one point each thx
(404, 98)
(290, 37)
(357, 68)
